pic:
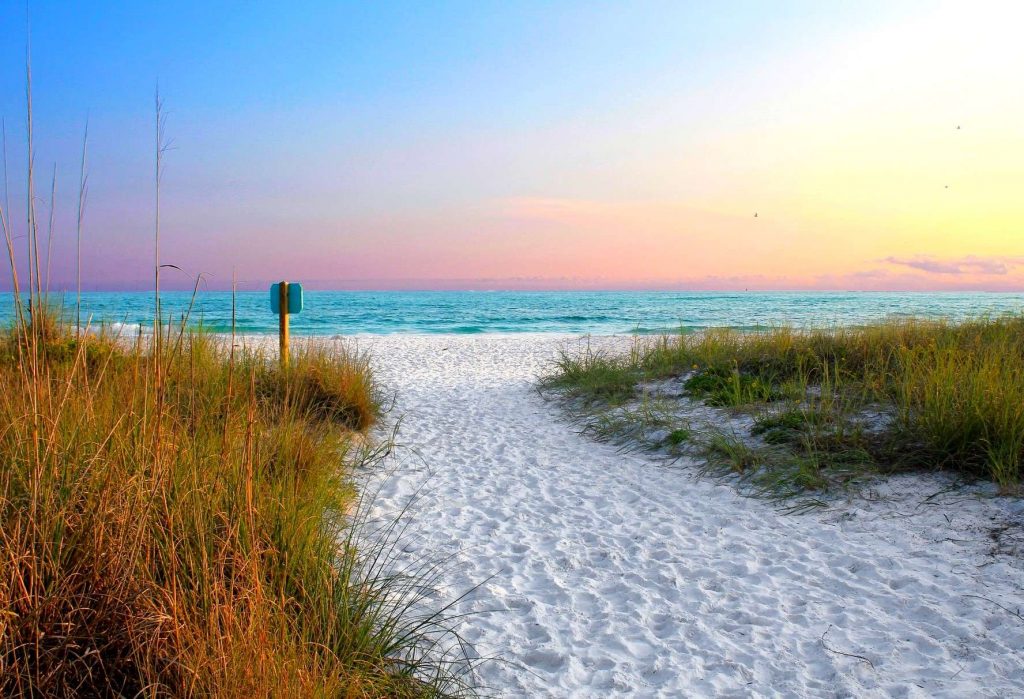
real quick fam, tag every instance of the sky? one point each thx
(529, 145)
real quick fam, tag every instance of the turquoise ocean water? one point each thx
(599, 312)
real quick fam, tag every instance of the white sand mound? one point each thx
(613, 574)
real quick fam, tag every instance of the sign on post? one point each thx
(285, 298)
(294, 297)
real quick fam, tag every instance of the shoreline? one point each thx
(328, 313)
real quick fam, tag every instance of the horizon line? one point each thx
(258, 286)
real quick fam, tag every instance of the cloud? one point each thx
(958, 266)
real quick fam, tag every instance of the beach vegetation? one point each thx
(196, 534)
(831, 406)
(179, 516)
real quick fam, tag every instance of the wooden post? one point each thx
(283, 317)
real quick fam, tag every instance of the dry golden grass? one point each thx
(187, 535)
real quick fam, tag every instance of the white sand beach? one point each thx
(610, 574)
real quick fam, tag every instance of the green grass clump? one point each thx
(678, 436)
(722, 387)
(792, 425)
(784, 475)
(963, 406)
(592, 377)
(177, 519)
(955, 392)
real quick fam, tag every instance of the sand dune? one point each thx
(612, 574)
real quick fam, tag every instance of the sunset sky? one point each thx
(531, 145)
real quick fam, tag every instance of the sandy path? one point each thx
(616, 575)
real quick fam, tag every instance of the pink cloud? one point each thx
(967, 265)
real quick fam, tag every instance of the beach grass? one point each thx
(182, 522)
(178, 515)
(831, 405)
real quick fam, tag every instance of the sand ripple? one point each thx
(610, 574)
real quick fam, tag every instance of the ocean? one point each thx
(596, 312)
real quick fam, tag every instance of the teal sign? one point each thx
(294, 297)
